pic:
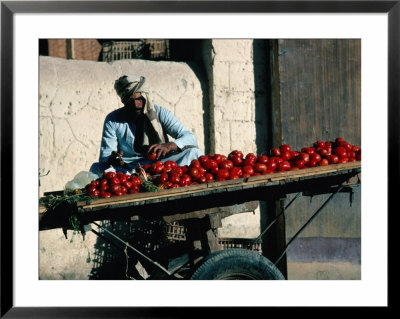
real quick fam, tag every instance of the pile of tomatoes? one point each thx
(114, 184)
(218, 167)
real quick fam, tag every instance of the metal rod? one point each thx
(309, 221)
(134, 249)
(275, 219)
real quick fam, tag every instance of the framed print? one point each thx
(369, 30)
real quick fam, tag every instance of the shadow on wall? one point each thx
(191, 51)
(262, 88)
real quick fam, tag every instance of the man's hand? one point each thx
(115, 158)
(161, 150)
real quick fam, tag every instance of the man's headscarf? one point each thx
(152, 131)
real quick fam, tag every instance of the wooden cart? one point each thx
(200, 208)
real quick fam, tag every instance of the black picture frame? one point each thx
(9, 8)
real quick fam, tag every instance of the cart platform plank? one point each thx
(221, 198)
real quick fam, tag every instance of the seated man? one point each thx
(138, 129)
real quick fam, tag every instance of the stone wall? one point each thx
(238, 113)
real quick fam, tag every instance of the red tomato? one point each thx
(249, 161)
(283, 166)
(152, 156)
(227, 164)
(351, 154)
(236, 171)
(110, 175)
(251, 157)
(312, 163)
(94, 183)
(218, 158)
(339, 139)
(305, 157)
(271, 166)
(195, 163)
(278, 160)
(223, 173)
(358, 155)
(294, 154)
(146, 167)
(175, 186)
(194, 173)
(333, 159)
(209, 177)
(177, 171)
(203, 179)
(346, 145)
(340, 152)
(174, 178)
(127, 184)
(185, 169)
(343, 160)
(319, 144)
(115, 181)
(185, 180)
(168, 184)
(323, 162)
(202, 170)
(328, 144)
(308, 150)
(286, 155)
(168, 166)
(157, 167)
(247, 169)
(103, 187)
(234, 153)
(275, 151)
(285, 148)
(119, 174)
(237, 160)
(322, 151)
(355, 148)
(115, 188)
(203, 159)
(105, 194)
(163, 178)
(261, 167)
(263, 159)
(315, 157)
(124, 190)
(211, 164)
(136, 181)
(133, 191)
(123, 178)
(300, 163)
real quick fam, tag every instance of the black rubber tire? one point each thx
(236, 264)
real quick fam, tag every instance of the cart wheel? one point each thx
(236, 264)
